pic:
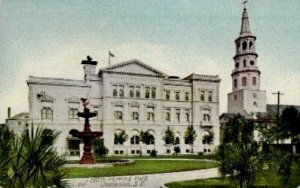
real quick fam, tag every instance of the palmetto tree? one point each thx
(190, 136)
(238, 154)
(34, 161)
(120, 137)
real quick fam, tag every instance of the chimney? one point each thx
(8, 112)
(89, 67)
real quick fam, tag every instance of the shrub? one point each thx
(99, 149)
(153, 153)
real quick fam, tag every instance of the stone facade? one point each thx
(130, 96)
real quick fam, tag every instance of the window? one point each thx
(237, 65)
(252, 62)
(250, 45)
(150, 113)
(187, 116)
(244, 63)
(168, 115)
(121, 91)
(244, 45)
(177, 115)
(137, 92)
(167, 95)
(147, 93)
(177, 140)
(235, 97)
(153, 92)
(131, 91)
(177, 95)
(47, 113)
(118, 115)
(206, 115)
(235, 83)
(186, 96)
(209, 96)
(255, 95)
(115, 92)
(254, 81)
(135, 116)
(135, 140)
(73, 113)
(244, 81)
(255, 104)
(202, 95)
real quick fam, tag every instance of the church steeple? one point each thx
(245, 27)
(246, 94)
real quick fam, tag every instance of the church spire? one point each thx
(245, 27)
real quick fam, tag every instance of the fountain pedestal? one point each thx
(86, 135)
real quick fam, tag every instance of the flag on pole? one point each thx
(111, 54)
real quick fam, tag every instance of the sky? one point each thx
(49, 38)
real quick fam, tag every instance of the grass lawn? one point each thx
(265, 179)
(139, 167)
(187, 156)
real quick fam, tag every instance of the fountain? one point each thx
(87, 135)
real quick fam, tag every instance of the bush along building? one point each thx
(130, 97)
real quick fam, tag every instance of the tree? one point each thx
(209, 137)
(190, 136)
(238, 154)
(169, 137)
(146, 138)
(289, 125)
(120, 137)
(99, 148)
(33, 161)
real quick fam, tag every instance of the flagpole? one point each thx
(108, 59)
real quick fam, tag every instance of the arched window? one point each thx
(115, 92)
(168, 95)
(177, 140)
(147, 93)
(168, 116)
(235, 83)
(244, 45)
(244, 63)
(135, 140)
(250, 45)
(244, 81)
(254, 81)
(121, 92)
(137, 92)
(131, 93)
(153, 92)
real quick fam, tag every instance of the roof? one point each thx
(22, 115)
(115, 67)
(202, 77)
(245, 27)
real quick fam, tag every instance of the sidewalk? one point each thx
(144, 181)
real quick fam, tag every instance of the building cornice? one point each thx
(56, 81)
(242, 71)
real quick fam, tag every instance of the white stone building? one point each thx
(246, 96)
(130, 96)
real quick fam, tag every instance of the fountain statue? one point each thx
(86, 135)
